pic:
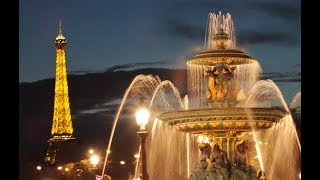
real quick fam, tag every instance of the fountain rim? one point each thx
(213, 57)
(222, 120)
(215, 112)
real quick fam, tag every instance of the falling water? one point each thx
(259, 156)
(265, 94)
(186, 107)
(154, 125)
(279, 150)
(216, 23)
(197, 86)
(246, 75)
(296, 101)
(137, 164)
(162, 100)
(167, 148)
(167, 153)
(286, 150)
(295, 108)
(279, 145)
(255, 140)
(188, 153)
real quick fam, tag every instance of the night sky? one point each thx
(101, 34)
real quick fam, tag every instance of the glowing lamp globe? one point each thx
(142, 117)
(94, 160)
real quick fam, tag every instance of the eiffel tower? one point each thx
(62, 130)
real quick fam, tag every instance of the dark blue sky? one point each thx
(101, 33)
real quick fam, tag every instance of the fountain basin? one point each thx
(222, 121)
(218, 56)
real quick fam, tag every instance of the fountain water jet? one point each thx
(262, 94)
(223, 26)
(296, 101)
(172, 88)
(142, 83)
(282, 134)
(137, 164)
(146, 86)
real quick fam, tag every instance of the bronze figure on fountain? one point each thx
(222, 89)
(219, 156)
(200, 172)
(240, 169)
(220, 165)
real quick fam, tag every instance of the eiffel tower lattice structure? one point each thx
(62, 129)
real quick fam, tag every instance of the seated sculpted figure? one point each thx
(240, 169)
(200, 173)
(219, 167)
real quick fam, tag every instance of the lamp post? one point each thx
(142, 117)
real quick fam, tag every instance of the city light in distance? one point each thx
(91, 151)
(137, 156)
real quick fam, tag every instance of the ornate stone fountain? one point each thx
(217, 113)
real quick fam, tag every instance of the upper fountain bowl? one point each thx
(217, 56)
(222, 121)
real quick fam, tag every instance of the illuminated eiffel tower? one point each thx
(62, 130)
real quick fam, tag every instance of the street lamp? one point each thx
(142, 117)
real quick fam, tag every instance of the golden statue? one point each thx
(220, 82)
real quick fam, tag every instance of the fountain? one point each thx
(231, 125)
(246, 121)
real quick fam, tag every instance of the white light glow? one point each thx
(137, 156)
(91, 151)
(203, 139)
(94, 160)
(142, 117)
